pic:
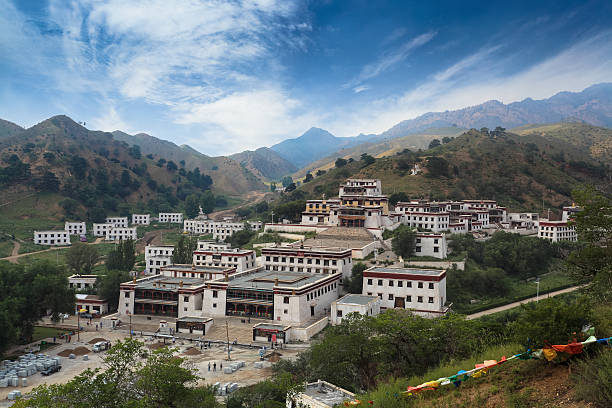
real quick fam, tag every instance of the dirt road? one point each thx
(517, 304)
(15, 255)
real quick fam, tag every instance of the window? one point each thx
(430, 299)
(186, 299)
(369, 293)
(390, 283)
(215, 294)
(380, 282)
(431, 285)
(285, 311)
(420, 299)
(400, 284)
(127, 295)
(408, 284)
(417, 249)
(185, 309)
(420, 285)
(215, 305)
(286, 299)
(436, 249)
(369, 281)
(380, 296)
(390, 296)
(339, 313)
(408, 298)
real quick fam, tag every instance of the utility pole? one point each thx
(228, 345)
(538, 290)
(272, 214)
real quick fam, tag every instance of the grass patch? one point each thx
(26, 214)
(41, 333)
(27, 247)
(6, 248)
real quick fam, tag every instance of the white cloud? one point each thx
(389, 59)
(478, 78)
(109, 121)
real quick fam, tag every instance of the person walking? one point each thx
(209, 366)
(215, 366)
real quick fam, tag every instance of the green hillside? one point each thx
(522, 172)
(387, 147)
(8, 129)
(229, 176)
(85, 173)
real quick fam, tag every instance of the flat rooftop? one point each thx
(194, 319)
(355, 299)
(270, 326)
(414, 271)
(326, 250)
(266, 280)
(191, 268)
(168, 283)
(327, 393)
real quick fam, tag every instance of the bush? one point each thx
(593, 378)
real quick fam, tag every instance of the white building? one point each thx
(172, 218)
(288, 297)
(310, 260)
(354, 303)
(99, 230)
(157, 256)
(421, 290)
(213, 246)
(121, 234)
(427, 244)
(82, 282)
(56, 238)
(556, 231)
(320, 394)
(220, 230)
(92, 304)
(523, 221)
(240, 259)
(141, 219)
(75, 228)
(121, 222)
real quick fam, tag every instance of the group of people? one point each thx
(214, 366)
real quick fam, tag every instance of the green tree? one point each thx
(272, 187)
(446, 139)
(109, 286)
(208, 202)
(122, 257)
(308, 177)
(434, 143)
(171, 166)
(133, 377)
(192, 206)
(437, 167)
(81, 258)
(397, 197)
(70, 206)
(403, 243)
(366, 160)
(242, 237)
(183, 252)
(285, 181)
(340, 162)
(290, 187)
(355, 283)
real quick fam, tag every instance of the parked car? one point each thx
(51, 370)
(101, 346)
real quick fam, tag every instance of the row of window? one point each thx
(400, 283)
(318, 292)
(283, 268)
(309, 261)
(430, 299)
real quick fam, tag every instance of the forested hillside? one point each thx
(521, 172)
(91, 172)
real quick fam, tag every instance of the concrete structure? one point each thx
(172, 218)
(54, 238)
(556, 231)
(193, 325)
(91, 303)
(272, 333)
(317, 211)
(308, 259)
(210, 245)
(220, 230)
(118, 222)
(239, 259)
(353, 303)
(288, 297)
(75, 228)
(523, 221)
(193, 271)
(121, 233)
(421, 290)
(157, 256)
(99, 230)
(320, 394)
(82, 282)
(141, 219)
(428, 244)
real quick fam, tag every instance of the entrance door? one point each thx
(311, 310)
(400, 302)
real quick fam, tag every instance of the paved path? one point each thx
(517, 304)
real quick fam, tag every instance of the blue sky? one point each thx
(224, 76)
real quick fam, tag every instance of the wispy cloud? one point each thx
(389, 59)
(479, 77)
